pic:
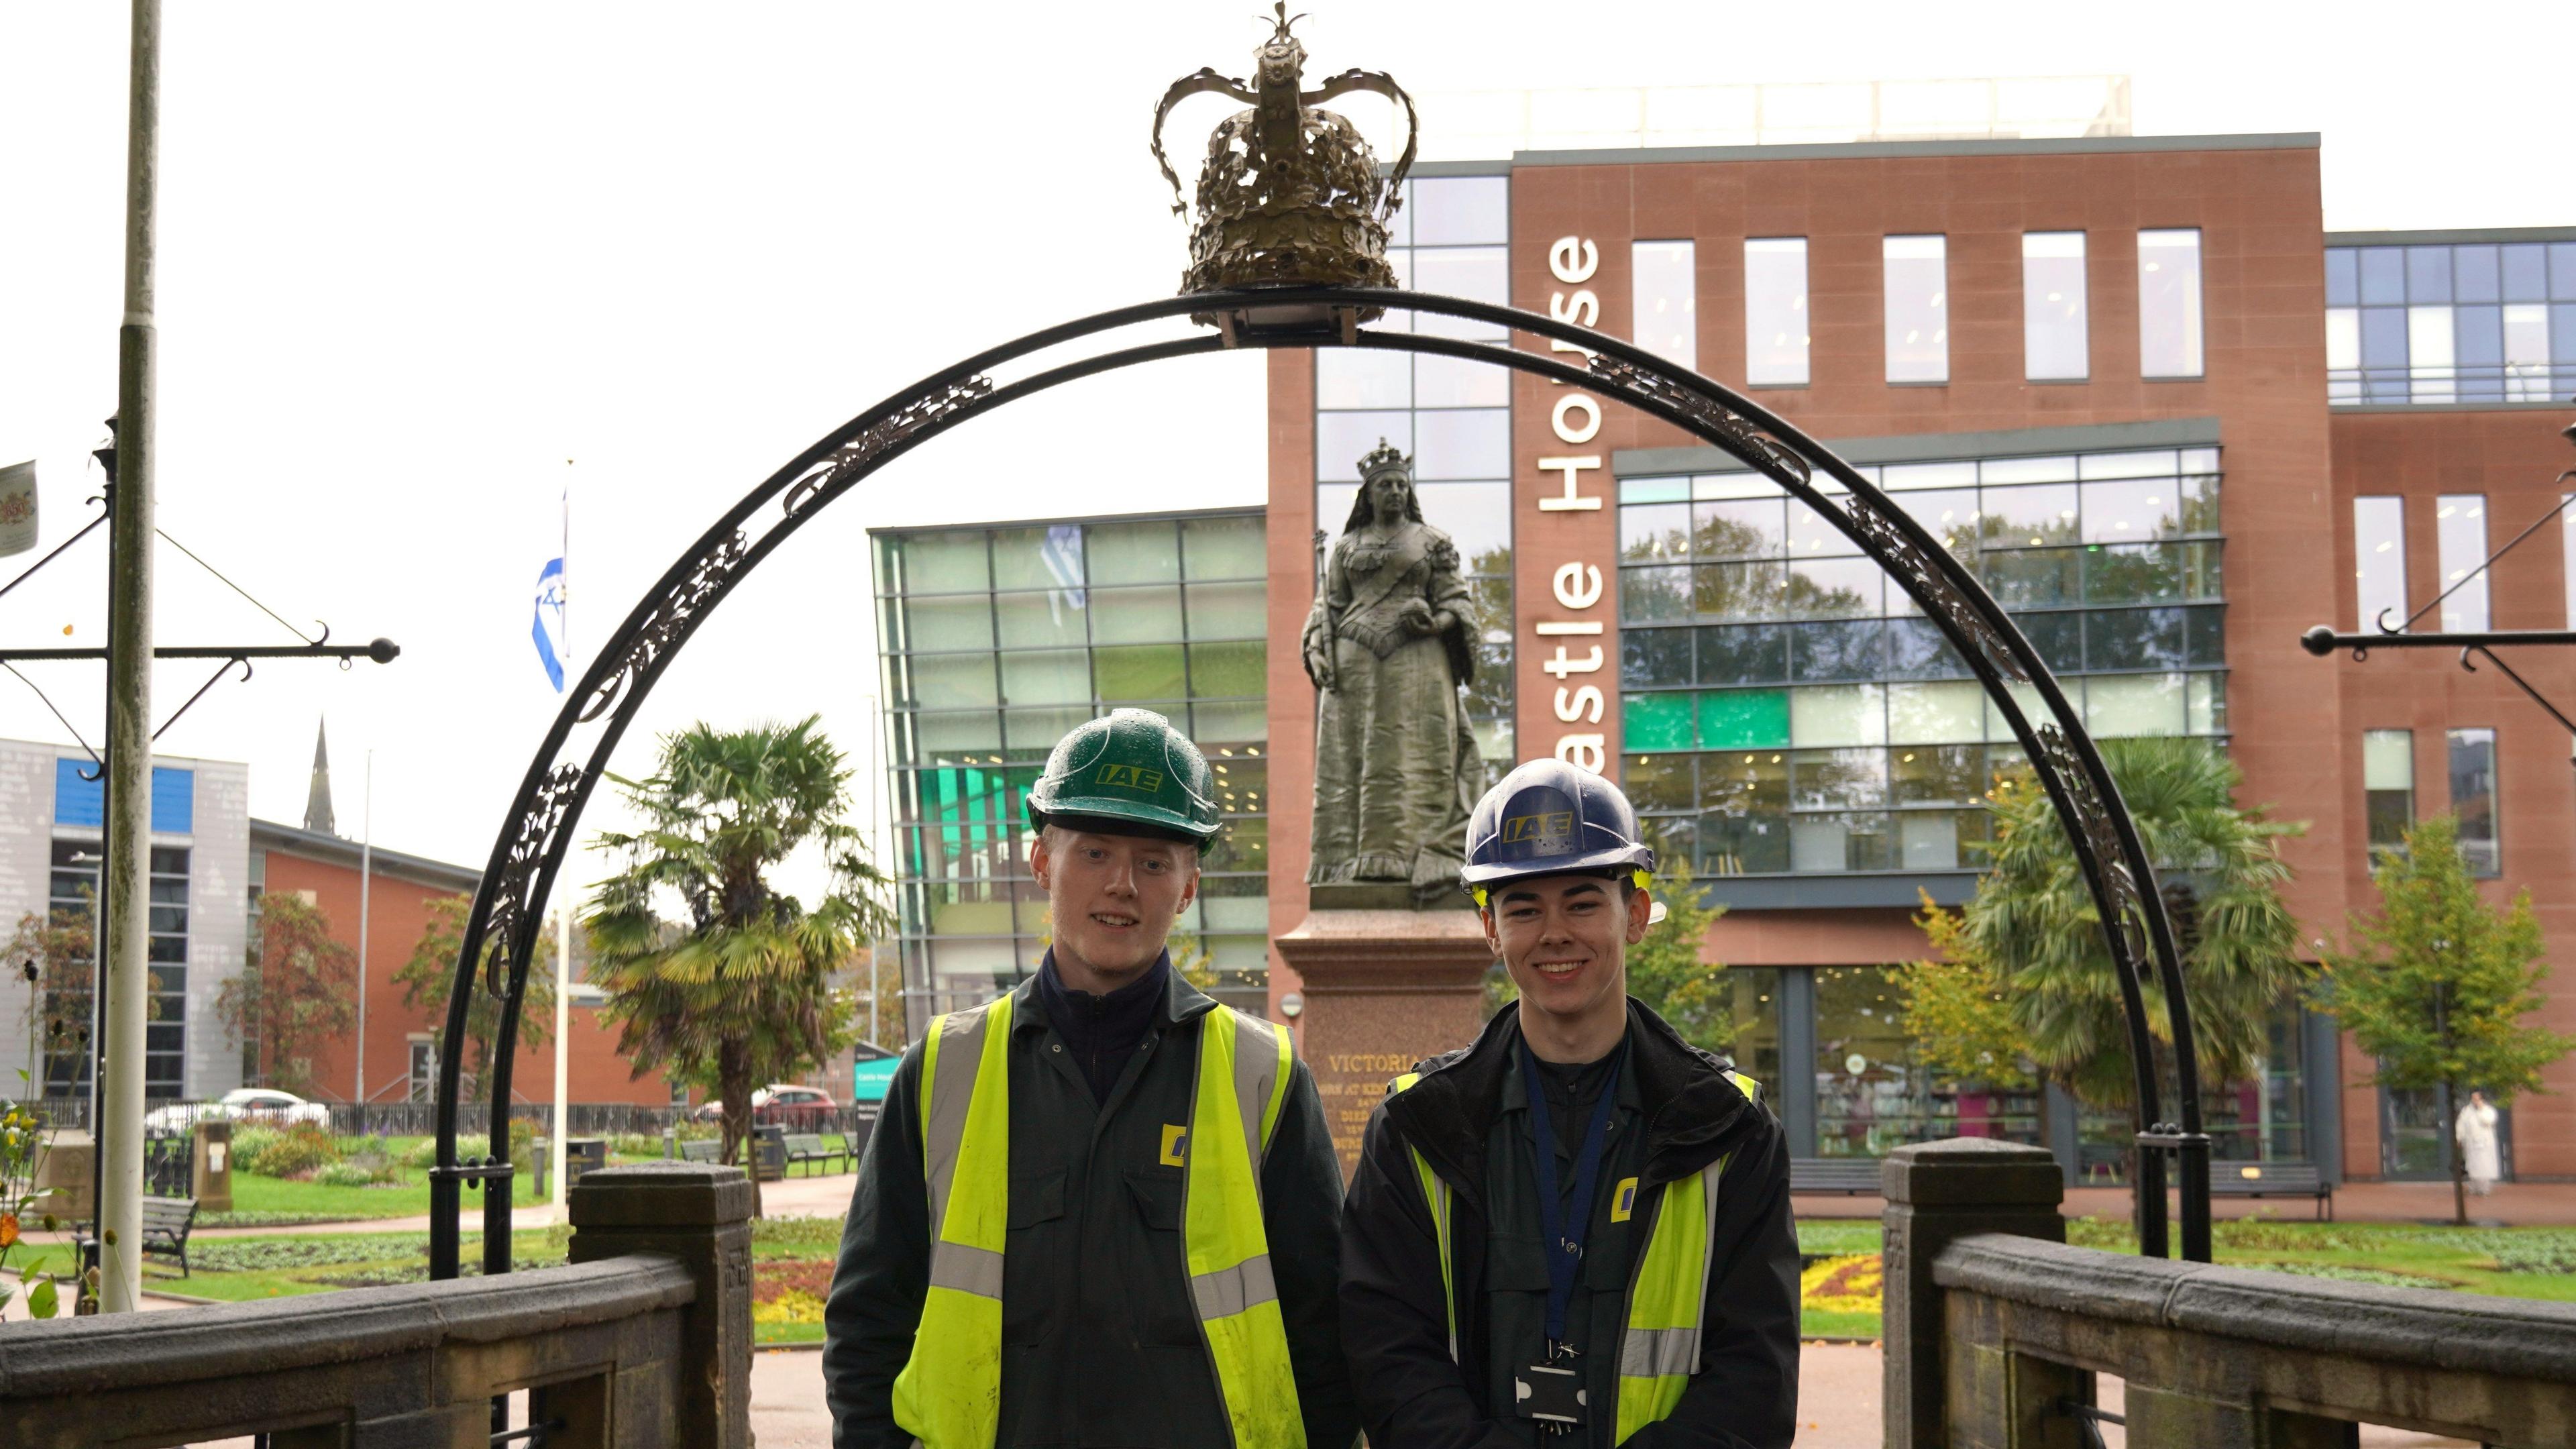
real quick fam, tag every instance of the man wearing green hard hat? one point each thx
(1102, 1209)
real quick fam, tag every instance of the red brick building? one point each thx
(2040, 336)
(401, 1041)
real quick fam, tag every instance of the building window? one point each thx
(165, 1059)
(2052, 306)
(2388, 789)
(2469, 323)
(2473, 799)
(1917, 275)
(1666, 285)
(1785, 709)
(2169, 303)
(1452, 415)
(423, 1077)
(1873, 1096)
(2567, 552)
(2379, 562)
(997, 641)
(1775, 311)
(2460, 539)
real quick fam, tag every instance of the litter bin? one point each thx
(212, 1172)
(583, 1154)
(769, 1152)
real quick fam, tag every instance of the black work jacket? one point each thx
(1101, 1347)
(1677, 1112)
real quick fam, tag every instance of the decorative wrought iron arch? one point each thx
(508, 905)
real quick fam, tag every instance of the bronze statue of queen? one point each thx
(1389, 646)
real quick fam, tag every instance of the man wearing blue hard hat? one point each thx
(1576, 1231)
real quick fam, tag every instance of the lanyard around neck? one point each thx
(1563, 1229)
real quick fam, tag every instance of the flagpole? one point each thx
(563, 945)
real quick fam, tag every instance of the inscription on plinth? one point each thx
(1384, 989)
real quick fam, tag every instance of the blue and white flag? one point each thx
(554, 646)
(1062, 554)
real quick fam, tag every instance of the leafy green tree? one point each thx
(2437, 983)
(426, 978)
(2221, 875)
(301, 991)
(743, 993)
(1665, 970)
(1956, 1008)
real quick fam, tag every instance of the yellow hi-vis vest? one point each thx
(1659, 1350)
(949, 1395)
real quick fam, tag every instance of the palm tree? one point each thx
(742, 992)
(2220, 873)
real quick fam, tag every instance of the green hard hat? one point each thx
(1129, 770)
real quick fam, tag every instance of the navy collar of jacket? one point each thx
(1693, 1111)
(1181, 1002)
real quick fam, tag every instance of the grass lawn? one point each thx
(276, 1199)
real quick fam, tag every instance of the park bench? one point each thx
(2273, 1179)
(1833, 1174)
(810, 1147)
(167, 1221)
(702, 1149)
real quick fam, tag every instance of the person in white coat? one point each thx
(2476, 1134)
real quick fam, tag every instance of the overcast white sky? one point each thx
(416, 257)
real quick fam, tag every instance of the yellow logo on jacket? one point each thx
(1176, 1145)
(1623, 1201)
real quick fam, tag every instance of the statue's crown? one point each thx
(1382, 460)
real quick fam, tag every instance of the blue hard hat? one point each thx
(1550, 818)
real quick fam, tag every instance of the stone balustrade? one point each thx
(644, 1340)
(1995, 1337)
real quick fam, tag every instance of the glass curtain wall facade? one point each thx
(1788, 710)
(2457, 323)
(72, 896)
(1452, 416)
(996, 642)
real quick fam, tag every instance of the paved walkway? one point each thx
(2512, 1204)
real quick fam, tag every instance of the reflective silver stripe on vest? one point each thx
(1229, 1291)
(1656, 1352)
(952, 1092)
(1256, 1073)
(968, 1270)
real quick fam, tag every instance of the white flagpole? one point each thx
(366, 881)
(563, 943)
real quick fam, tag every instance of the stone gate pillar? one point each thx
(1937, 1192)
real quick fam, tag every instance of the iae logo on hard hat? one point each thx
(1536, 830)
(1130, 777)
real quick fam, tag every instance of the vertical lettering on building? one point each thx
(1571, 639)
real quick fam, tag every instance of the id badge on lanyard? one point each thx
(1550, 1391)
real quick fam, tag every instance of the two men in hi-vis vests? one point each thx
(1102, 1210)
(1576, 1231)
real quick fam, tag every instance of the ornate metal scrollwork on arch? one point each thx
(1640, 384)
(537, 825)
(1924, 580)
(859, 454)
(2126, 900)
(670, 619)
(1894, 551)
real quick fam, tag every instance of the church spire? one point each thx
(317, 804)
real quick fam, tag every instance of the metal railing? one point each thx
(2451, 383)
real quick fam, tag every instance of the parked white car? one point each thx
(264, 1105)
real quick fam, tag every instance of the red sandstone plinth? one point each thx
(1384, 988)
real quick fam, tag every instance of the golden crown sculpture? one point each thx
(1291, 195)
